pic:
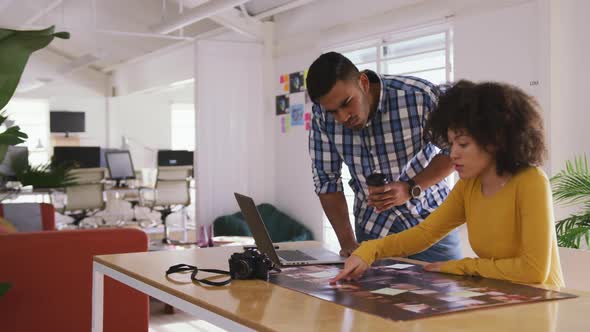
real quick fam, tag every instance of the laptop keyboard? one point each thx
(294, 255)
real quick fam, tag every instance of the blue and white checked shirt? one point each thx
(392, 143)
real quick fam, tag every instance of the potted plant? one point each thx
(15, 49)
(572, 187)
(44, 176)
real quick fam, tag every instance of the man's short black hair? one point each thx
(325, 71)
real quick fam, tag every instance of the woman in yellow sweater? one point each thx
(496, 139)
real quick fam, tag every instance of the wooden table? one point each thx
(257, 305)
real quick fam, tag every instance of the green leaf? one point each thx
(15, 49)
(572, 186)
(4, 287)
(43, 176)
(3, 149)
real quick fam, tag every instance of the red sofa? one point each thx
(51, 277)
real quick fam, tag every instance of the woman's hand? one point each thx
(354, 268)
(433, 267)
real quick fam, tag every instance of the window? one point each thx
(426, 56)
(32, 115)
(183, 126)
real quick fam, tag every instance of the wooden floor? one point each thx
(179, 321)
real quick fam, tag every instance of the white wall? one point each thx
(570, 70)
(294, 190)
(574, 263)
(570, 52)
(505, 53)
(234, 153)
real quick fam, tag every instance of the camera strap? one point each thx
(186, 268)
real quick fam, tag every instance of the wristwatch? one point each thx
(415, 190)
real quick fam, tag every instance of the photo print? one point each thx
(282, 104)
(297, 115)
(296, 82)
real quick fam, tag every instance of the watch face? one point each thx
(416, 191)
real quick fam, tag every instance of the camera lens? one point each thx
(243, 269)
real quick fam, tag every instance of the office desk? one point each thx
(41, 195)
(256, 305)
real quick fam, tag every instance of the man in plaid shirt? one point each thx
(375, 124)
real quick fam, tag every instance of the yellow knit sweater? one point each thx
(512, 231)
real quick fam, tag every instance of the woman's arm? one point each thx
(535, 220)
(449, 215)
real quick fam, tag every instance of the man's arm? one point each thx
(326, 168)
(335, 207)
(397, 193)
(439, 168)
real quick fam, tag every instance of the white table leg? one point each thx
(97, 298)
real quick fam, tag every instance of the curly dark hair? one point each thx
(494, 114)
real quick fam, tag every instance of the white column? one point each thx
(232, 149)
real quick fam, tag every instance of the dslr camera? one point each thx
(250, 264)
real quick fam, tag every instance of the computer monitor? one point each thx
(120, 166)
(103, 153)
(16, 157)
(175, 158)
(77, 156)
(67, 122)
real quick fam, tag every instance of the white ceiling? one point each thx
(109, 42)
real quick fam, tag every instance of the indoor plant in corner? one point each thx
(572, 187)
(15, 48)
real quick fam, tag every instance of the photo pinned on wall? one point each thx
(285, 123)
(296, 82)
(282, 104)
(283, 129)
(296, 111)
(307, 119)
(284, 83)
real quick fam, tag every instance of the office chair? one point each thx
(29, 217)
(171, 194)
(85, 198)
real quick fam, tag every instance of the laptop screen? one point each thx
(254, 221)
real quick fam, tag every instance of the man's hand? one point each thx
(354, 268)
(347, 249)
(433, 267)
(388, 196)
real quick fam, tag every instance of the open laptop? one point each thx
(308, 256)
